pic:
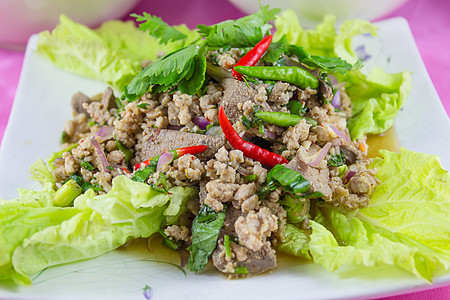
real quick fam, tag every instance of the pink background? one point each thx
(429, 21)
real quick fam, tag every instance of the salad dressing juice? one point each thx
(387, 140)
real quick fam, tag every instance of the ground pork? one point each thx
(254, 229)
(179, 233)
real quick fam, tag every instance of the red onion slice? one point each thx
(101, 155)
(270, 134)
(342, 135)
(320, 156)
(336, 101)
(201, 122)
(349, 175)
(105, 132)
(164, 159)
(336, 142)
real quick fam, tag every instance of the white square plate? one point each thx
(40, 109)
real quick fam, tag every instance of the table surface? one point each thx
(429, 22)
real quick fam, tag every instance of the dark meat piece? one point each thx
(349, 155)
(77, 103)
(260, 261)
(161, 139)
(317, 178)
(256, 262)
(108, 99)
(235, 92)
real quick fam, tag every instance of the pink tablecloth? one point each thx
(429, 21)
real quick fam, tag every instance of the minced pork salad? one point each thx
(234, 144)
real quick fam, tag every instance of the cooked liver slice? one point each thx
(317, 178)
(172, 139)
(77, 103)
(235, 92)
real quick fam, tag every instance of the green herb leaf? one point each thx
(166, 72)
(171, 244)
(290, 180)
(192, 84)
(159, 29)
(86, 165)
(336, 160)
(331, 64)
(142, 175)
(240, 270)
(244, 32)
(205, 232)
(275, 50)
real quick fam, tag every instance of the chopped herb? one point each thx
(250, 178)
(142, 175)
(269, 88)
(65, 138)
(240, 270)
(254, 122)
(91, 123)
(110, 168)
(275, 50)
(86, 165)
(88, 185)
(336, 160)
(143, 105)
(226, 242)
(77, 179)
(297, 107)
(205, 232)
(127, 152)
(171, 244)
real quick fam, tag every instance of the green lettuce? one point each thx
(376, 97)
(34, 236)
(413, 198)
(296, 242)
(111, 53)
(405, 225)
(362, 244)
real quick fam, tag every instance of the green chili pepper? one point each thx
(295, 75)
(282, 119)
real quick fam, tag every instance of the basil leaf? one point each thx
(205, 232)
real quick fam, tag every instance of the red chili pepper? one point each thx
(250, 150)
(253, 56)
(176, 153)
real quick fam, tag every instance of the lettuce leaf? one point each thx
(405, 225)
(111, 53)
(377, 97)
(413, 198)
(296, 242)
(364, 244)
(34, 237)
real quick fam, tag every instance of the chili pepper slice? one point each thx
(250, 150)
(252, 56)
(295, 75)
(176, 154)
(282, 119)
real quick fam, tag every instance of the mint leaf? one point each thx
(205, 232)
(244, 32)
(159, 29)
